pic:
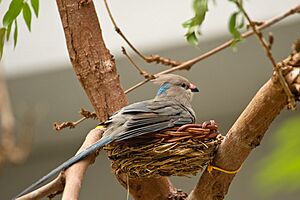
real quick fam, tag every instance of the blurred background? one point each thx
(41, 81)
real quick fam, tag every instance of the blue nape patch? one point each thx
(163, 88)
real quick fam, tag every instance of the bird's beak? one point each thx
(193, 88)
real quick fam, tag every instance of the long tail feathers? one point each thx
(65, 165)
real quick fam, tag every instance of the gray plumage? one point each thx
(171, 107)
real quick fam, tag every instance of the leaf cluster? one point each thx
(200, 7)
(16, 7)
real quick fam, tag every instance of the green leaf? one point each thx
(232, 23)
(233, 28)
(193, 25)
(35, 5)
(27, 15)
(242, 23)
(187, 23)
(2, 36)
(16, 34)
(8, 31)
(200, 9)
(192, 38)
(14, 10)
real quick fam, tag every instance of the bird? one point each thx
(171, 107)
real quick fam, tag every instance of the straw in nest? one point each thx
(181, 151)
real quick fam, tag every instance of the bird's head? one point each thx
(172, 85)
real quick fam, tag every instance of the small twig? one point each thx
(267, 48)
(63, 125)
(136, 86)
(86, 115)
(162, 60)
(141, 71)
(219, 48)
(149, 59)
(271, 40)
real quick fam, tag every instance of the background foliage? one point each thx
(280, 171)
(16, 7)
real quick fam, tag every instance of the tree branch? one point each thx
(247, 132)
(86, 115)
(94, 65)
(149, 59)
(266, 46)
(142, 72)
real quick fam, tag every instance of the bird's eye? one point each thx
(184, 85)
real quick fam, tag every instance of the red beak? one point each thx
(193, 88)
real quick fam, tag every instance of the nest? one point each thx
(180, 151)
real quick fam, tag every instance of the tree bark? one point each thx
(96, 70)
(94, 65)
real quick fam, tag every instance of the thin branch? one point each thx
(142, 72)
(50, 190)
(149, 59)
(266, 46)
(86, 115)
(63, 125)
(136, 86)
(217, 49)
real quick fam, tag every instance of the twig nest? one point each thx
(181, 151)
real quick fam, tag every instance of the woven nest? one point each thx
(181, 151)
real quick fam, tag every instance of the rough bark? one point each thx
(96, 70)
(94, 65)
(247, 133)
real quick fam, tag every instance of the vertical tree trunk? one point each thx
(96, 70)
(94, 65)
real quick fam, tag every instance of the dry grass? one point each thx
(181, 151)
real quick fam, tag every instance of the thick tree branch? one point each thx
(247, 132)
(94, 65)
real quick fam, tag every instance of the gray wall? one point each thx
(227, 82)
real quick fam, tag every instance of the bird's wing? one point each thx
(151, 116)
